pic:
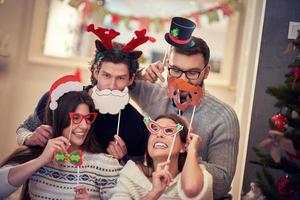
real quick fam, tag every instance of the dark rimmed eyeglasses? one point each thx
(77, 117)
(190, 74)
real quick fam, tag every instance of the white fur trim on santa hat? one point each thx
(61, 90)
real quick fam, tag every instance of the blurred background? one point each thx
(41, 40)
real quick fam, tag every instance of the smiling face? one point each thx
(159, 143)
(192, 64)
(79, 130)
(113, 76)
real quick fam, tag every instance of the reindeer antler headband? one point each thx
(107, 35)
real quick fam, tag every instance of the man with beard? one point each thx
(113, 69)
(214, 121)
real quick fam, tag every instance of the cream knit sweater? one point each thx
(133, 184)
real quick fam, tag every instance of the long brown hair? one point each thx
(58, 119)
(183, 134)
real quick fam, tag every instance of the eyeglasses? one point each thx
(154, 127)
(77, 117)
(190, 74)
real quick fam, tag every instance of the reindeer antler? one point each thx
(135, 42)
(105, 35)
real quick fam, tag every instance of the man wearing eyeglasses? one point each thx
(214, 121)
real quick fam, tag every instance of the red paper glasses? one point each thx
(155, 127)
(77, 117)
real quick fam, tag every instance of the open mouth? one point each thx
(160, 145)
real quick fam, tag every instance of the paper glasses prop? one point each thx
(171, 130)
(155, 127)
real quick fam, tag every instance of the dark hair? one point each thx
(115, 56)
(183, 134)
(66, 104)
(200, 47)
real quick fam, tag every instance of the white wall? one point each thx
(25, 82)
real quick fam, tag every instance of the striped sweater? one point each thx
(214, 121)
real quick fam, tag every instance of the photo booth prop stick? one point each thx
(61, 86)
(105, 47)
(179, 36)
(154, 128)
(110, 101)
(61, 157)
(193, 98)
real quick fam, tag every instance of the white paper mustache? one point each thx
(110, 101)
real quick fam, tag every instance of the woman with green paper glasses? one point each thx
(171, 169)
(72, 165)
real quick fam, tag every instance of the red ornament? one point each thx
(282, 189)
(280, 122)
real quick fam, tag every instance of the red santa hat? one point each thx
(64, 85)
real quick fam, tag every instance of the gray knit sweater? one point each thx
(214, 121)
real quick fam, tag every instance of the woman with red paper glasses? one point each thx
(72, 165)
(172, 170)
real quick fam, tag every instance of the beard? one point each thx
(110, 101)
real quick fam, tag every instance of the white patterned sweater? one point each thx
(98, 173)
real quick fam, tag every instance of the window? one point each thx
(59, 34)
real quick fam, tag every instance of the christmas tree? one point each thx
(283, 142)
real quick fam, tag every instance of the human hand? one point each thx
(40, 136)
(161, 178)
(153, 72)
(81, 193)
(117, 148)
(193, 142)
(59, 143)
(276, 133)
